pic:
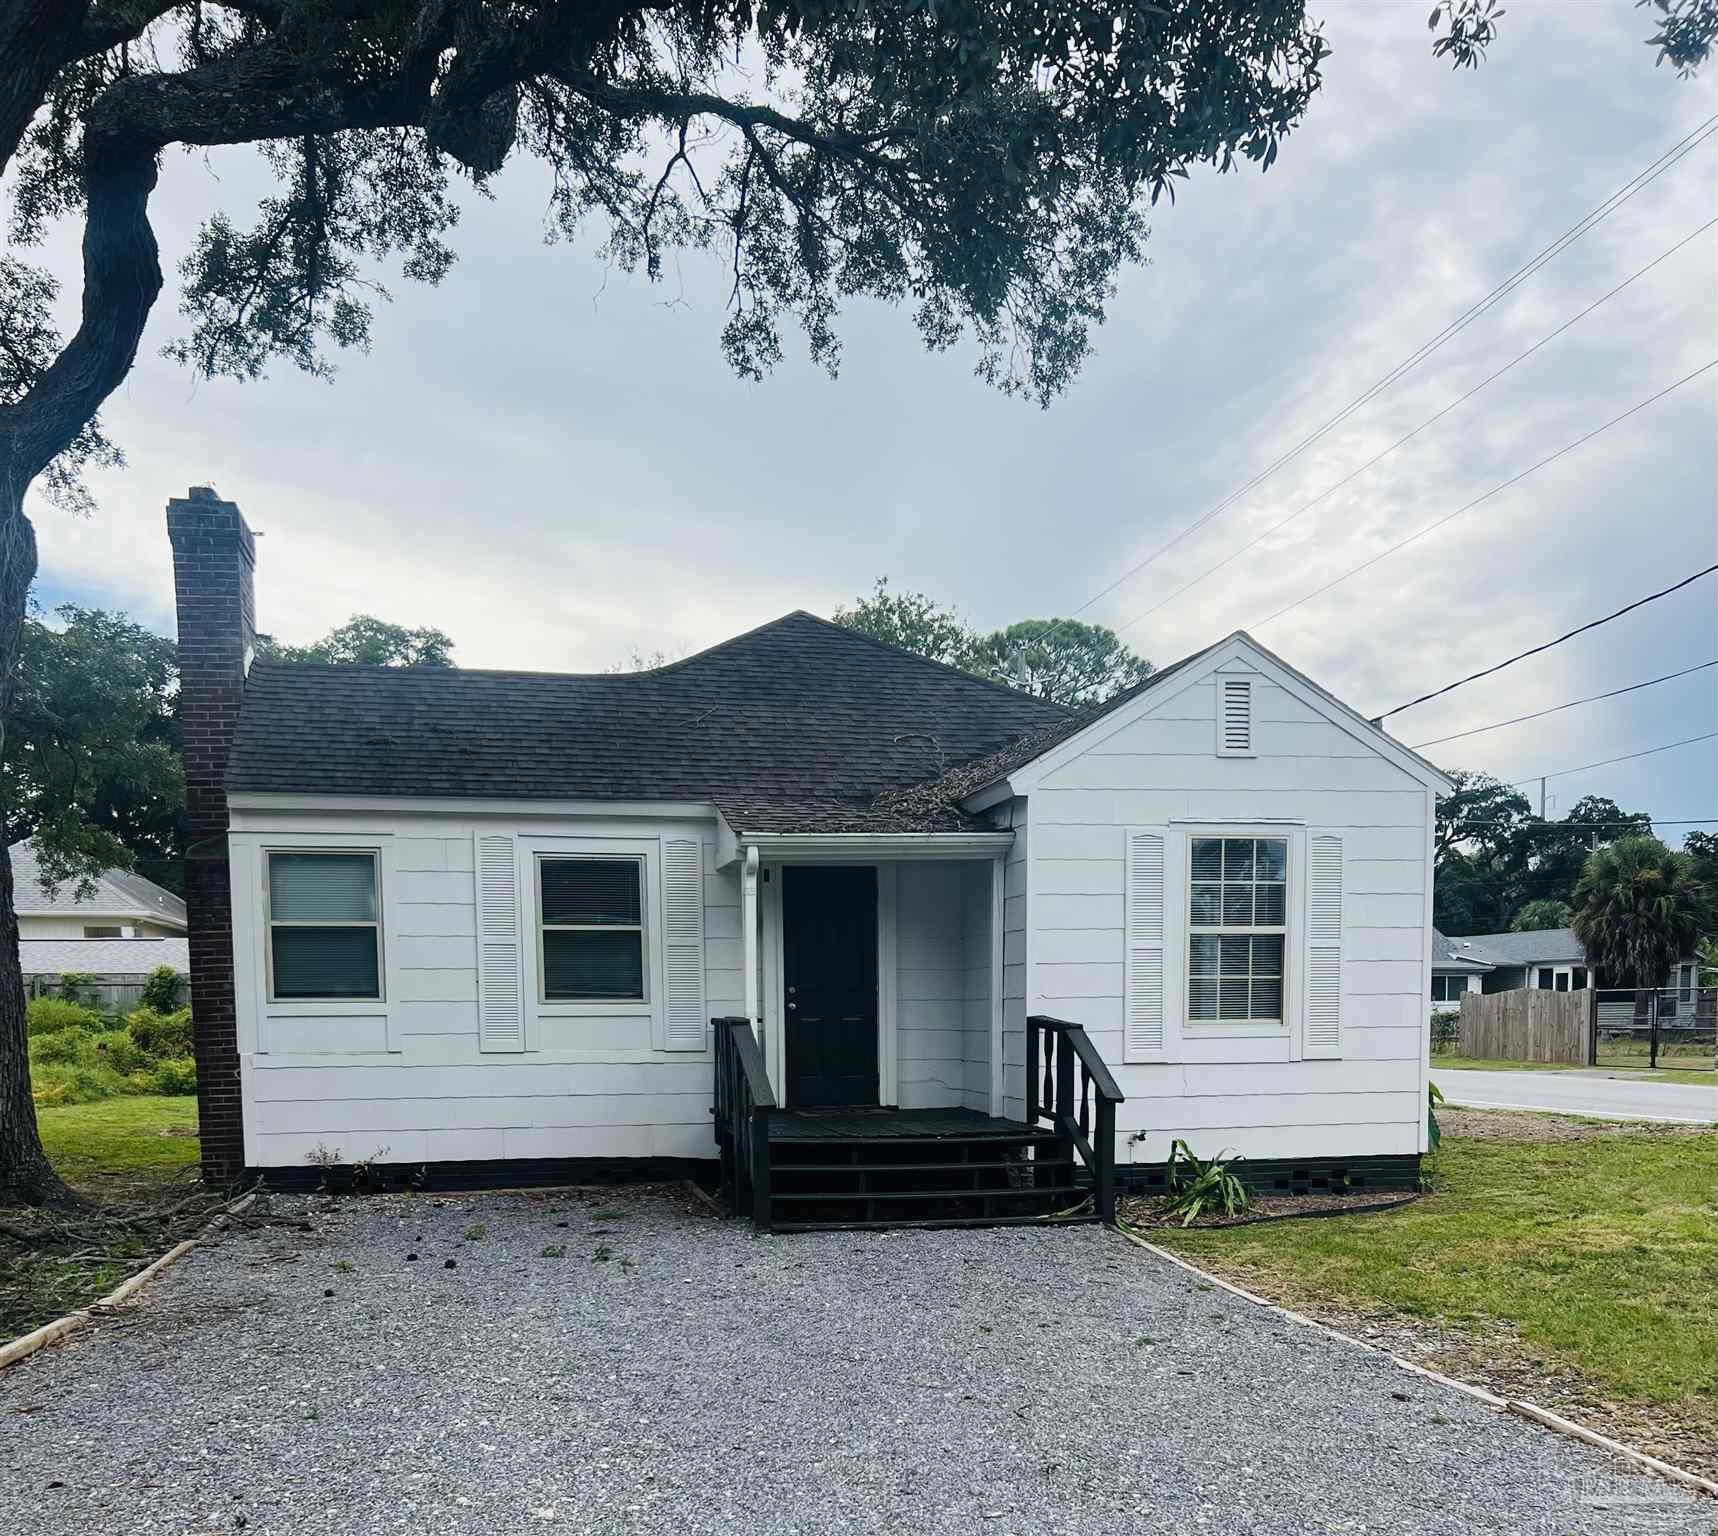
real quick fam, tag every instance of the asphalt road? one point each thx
(1579, 1093)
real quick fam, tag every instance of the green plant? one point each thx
(555, 1251)
(161, 1034)
(50, 1015)
(1434, 1097)
(1200, 1188)
(122, 1052)
(476, 1232)
(63, 1048)
(57, 1083)
(1446, 1031)
(1638, 910)
(73, 985)
(173, 1075)
(161, 989)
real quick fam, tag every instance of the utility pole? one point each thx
(1542, 778)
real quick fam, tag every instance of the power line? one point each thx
(1591, 624)
(1627, 757)
(1480, 730)
(1432, 420)
(1515, 479)
(1634, 184)
(1586, 826)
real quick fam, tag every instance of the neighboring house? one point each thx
(1548, 959)
(1453, 973)
(122, 905)
(485, 919)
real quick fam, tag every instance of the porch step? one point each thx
(853, 1197)
(1040, 1164)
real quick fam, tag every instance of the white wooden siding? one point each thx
(1249, 1094)
(942, 988)
(323, 1076)
(1014, 955)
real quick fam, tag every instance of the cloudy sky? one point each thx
(558, 469)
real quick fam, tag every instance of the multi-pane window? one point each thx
(593, 929)
(324, 929)
(1448, 989)
(1237, 909)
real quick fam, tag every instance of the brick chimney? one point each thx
(214, 557)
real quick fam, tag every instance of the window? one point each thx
(1544, 978)
(324, 929)
(1685, 982)
(1448, 989)
(1237, 928)
(1562, 981)
(1580, 981)
(103, 931)
(592, 916)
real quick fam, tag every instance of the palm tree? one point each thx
(1637, 913)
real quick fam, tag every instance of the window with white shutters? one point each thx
(500, 943)
(684, 1023)
(1237, 929)
(1234, 716)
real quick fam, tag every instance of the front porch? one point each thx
(870, 1167)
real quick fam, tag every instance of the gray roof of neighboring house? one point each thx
(1445, 958)
(103, 957)
(800, 725)
(1537, 946)
(118, 893)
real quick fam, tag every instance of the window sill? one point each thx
(1207, 1029)
(621, 1008)
(326, 1007)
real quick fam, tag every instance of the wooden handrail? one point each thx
(742, 1104)
(1057, 1047)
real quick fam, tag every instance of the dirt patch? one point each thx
(1492, 1355)
(1538, 1125)
(1147, 1211)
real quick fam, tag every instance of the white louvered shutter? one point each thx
(1234, 716)
(683, 944)
(1323, 1036)
(1146, 1036)
(500, 945)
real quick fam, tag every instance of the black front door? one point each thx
(829, 966)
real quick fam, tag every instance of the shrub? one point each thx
(73, 985)
(1446, 1031)
(161, 989)
(122, 1052)
(64, 1047)
(161, 1034)
(54, 1083)
(50, 1015)
(174, 1075)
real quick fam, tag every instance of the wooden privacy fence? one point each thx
(1527, 1025)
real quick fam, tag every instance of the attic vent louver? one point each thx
(1234, 716)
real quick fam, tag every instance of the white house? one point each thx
(118, 905)
(481, 920)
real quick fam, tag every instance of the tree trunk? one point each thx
(25, 1172)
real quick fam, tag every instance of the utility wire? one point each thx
(1627, 757)
(1376, 458)
(1591, 624)
(1515, 479)
(1584, 826)
(1610, 205)
(1479, 730)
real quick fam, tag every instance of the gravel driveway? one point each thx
(669, 1372)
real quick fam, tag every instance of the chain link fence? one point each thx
(1656, 1027)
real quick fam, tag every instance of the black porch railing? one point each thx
(1058, 1053)
(743, 1103)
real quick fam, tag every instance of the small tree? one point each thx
(912, 622)
(365, 640)
(1061, 659)
(1546, 912)
(1637, 913)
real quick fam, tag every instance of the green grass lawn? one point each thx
(1599, 1255)
(130, 1151)
(128, 1140)
(1481, 1064)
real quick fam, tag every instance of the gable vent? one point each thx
(1234, 716)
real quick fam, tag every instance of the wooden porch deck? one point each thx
(868, 1124)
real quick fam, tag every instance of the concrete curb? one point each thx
(1532, 1412)
(28, 1344)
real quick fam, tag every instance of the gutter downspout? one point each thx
(749, 935)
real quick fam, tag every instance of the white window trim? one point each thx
(350, 1004)
(1178, 891)
(641, 927)
(648, 852)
